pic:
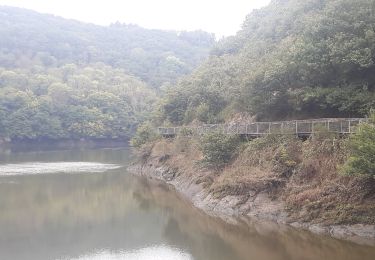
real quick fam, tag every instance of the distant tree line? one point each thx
(157, 57)
(61, 78)
(95, 101)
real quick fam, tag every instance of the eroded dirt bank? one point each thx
(288, 182)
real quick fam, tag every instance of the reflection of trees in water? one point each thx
(143, 203)
(46, 215)
(186, 227)
(76, 213)
(201, 245)
(36, 153)
(64, 198)
(210, 238)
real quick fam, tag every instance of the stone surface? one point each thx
(258, 207)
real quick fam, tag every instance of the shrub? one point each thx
(218, 148)
(268, 141)
(321, 133)
(362, 150)
(145, 133)
(186, 132)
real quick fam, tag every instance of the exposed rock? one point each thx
(257, 206)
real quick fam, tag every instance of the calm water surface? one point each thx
(82, 204)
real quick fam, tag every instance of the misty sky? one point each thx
(222, 17)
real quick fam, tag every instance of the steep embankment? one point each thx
(280, 179)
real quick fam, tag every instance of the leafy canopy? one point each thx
(292, 59)
(218, 148)
(362, 146)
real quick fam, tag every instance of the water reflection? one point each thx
(112, 215)
(210, 238)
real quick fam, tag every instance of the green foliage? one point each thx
(94, 101)
(218, 148)
(65, 79)
(145, 134)
(362, 155)
(155, 56)
(292, 59)
(187, 102)
(284, 158)
(185, 132)
(268, 141)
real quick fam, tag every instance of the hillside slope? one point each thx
(292, 59)
(155, 56)
(64, 79)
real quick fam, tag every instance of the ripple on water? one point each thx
(149, 253)
(54, 167)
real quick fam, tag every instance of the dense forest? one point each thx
(155, 56)
(292, 59)
(94, 101)
(62, 78)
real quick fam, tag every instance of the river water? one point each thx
(83, 204)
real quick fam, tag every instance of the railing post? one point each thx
(257, 128)
(269, 128)
(328, 125)
(350, 127)
(341, 127)
(296, 127)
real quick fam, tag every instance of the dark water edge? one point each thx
(60, 144)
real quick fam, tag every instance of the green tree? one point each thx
(145, 134)
(362, 150)
(218, 148)
(291, 59)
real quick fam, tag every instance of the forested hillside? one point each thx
(94, 101)
(155, 56)
(61, 78)
(294, 59)
(291, 59)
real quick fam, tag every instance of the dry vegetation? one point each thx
(304, 174)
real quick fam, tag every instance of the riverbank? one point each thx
(284, 180)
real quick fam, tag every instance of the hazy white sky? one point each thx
(222, 17)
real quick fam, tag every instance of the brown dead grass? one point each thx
(303, 174)
(319, 193)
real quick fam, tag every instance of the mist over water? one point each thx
(83, 204)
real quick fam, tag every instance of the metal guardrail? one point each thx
(296, 127)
